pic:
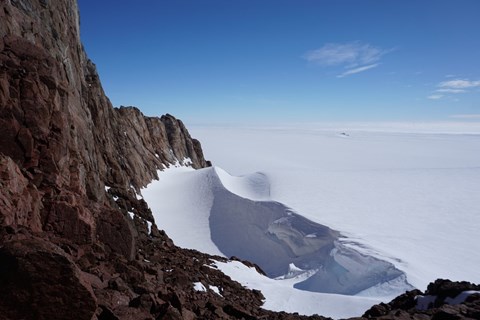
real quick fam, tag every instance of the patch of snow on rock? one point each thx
(461, 297)
(187, 161)
(216, 290)
(149, 226)
(198, 286)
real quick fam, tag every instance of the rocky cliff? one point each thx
(76, 240)
(62, 141)
(71, 167)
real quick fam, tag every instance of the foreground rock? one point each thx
(443, 299)
(36, 273)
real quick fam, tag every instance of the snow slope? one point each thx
(408, 198)
(204, 210)
(265, 232)
(279, 295)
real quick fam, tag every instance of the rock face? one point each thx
(62, 142)
(58, 127)
(75, 241)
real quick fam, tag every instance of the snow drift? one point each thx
(234, 216)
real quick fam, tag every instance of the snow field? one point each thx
(407, 194)
(407, 198)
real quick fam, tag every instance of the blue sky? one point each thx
(288, 60)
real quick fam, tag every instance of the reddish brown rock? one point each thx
(19, 199)
(116, 232)
(57, 124)
(39, 281)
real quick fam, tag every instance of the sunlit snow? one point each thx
(215, 289)
(198, 286)
(406, 198)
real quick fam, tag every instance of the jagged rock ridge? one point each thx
(71, 167)
(61, 140)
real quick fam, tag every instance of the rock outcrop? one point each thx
(61, 140)
(442, 300)
(76, 239)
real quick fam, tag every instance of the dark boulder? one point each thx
(39, 281)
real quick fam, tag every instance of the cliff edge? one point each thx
(61, 140)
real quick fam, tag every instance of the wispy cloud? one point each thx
(465, 116)
(357, 70)
(459, 84)
(435, 96)
(454, 86)
(354, 56)
(450, 90)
